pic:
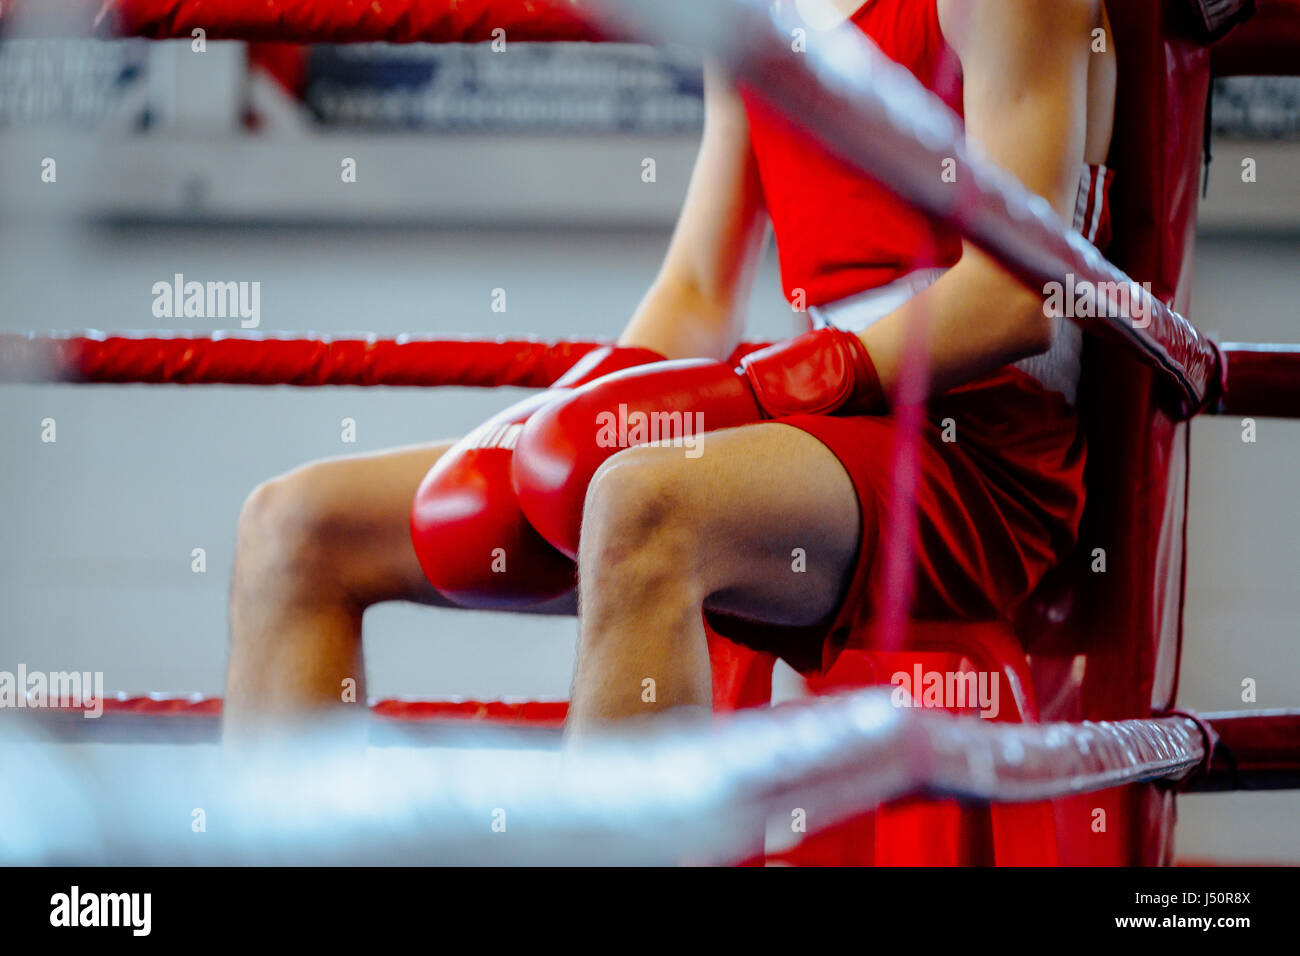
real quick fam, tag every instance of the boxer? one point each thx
(775, 531)
(660, 537)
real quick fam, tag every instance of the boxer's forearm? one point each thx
(1025, 101)
(696, 306)
(975, 318)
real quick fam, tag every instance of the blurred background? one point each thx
(475, 172)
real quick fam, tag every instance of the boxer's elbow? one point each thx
(1013, 320)
(713, 319)
(1029, 328)
(681, 319)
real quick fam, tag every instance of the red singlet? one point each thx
(837, 231)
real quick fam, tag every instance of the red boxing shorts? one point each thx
(997, 505)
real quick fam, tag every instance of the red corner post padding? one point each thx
(927, 832)
(1104, 631)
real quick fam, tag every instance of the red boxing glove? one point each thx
(472, 541)
(821, 372)
(561, 446)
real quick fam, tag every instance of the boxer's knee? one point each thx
(290, 530)
(640, 518)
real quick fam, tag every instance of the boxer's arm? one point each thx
(1025, 80)
(696, 306)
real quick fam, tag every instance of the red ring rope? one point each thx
(160, 358)
(247, 359)
(395, 708)
(322, 21)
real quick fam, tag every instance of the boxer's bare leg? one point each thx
(663, 533)
(316, 547)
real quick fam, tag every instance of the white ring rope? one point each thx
(677, 794)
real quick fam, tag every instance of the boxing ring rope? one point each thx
(670, 795)
(676, 793)
(1250, 750)
(187, 706)
(348, 21)
(309, 21)
(249, 358)
(196, 719)
(254, 359)
(1261, 379)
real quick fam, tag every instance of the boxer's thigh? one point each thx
(771, 514)
(350, 518)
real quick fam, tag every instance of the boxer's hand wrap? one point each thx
(821, 372)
